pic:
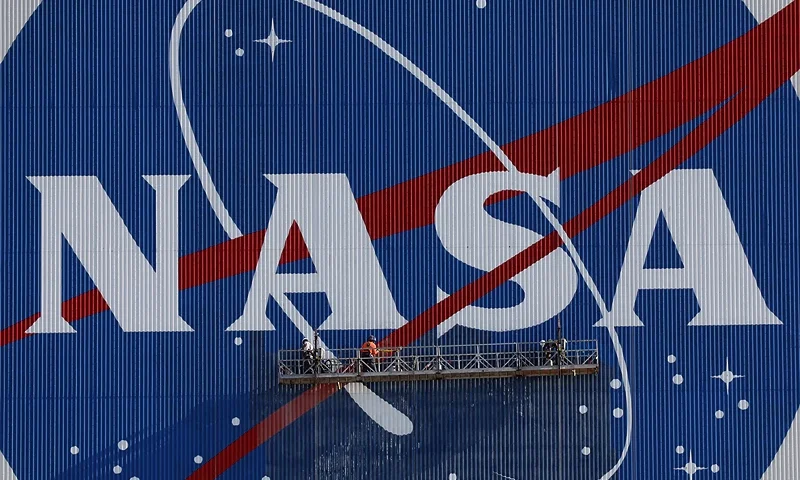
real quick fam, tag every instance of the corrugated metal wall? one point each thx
(152, 273)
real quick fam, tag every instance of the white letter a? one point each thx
(715, 265)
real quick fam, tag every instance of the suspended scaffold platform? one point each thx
(575, 357)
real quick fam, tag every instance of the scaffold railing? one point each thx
(574, 357)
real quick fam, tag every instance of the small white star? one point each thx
(273, 40)
(691, 468)
(727, 376)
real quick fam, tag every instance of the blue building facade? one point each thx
(189, 188)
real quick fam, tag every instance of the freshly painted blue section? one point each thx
(85, 90)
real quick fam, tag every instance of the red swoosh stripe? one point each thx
(773, 46)
(584, 141)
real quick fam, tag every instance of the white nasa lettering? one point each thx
(80, 211)
(474, 237)
(347, 269)
(715, 265)
(142, 298)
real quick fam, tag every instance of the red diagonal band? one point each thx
(775, 56)
(584, 141)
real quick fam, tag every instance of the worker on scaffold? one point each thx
(562, 349)
(549, 348)
(308, 355)
(369, 351)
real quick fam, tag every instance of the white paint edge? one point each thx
(785, 463)
(378, 409)
(186, 125)
(764, 9)
(5, 469)
(15, 14)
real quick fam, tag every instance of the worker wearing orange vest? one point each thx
(369, 350)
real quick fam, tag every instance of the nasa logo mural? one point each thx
(191, 187)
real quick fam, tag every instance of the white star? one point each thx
(272, 40)
(691, 468)
(727, 376)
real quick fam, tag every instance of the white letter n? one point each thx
(142, 298)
